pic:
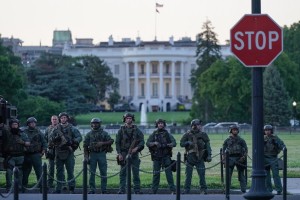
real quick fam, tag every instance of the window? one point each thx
(155, 89)
(167, 89)
(167, 69)
(142, 89)
(142, 69)
(154, 69)
(131, 89)
(117, 69)
(131, 70)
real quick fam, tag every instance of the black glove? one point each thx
(188, 143)
(208, 159)
(69, 143)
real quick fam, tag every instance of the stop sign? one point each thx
(256, 40)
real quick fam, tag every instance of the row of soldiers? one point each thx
(61, 139)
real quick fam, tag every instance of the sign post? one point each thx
(256, 40)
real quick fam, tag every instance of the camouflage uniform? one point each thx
(198, 151)
(96, 144)
(33, 153)
(128, 138)
(160, 144)
(237, 148)
(65, 139)
(14, 143)
(50, 155)
(273, 146)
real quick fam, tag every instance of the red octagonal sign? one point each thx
(256, 40)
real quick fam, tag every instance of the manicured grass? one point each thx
(213, 168)
(117, 117)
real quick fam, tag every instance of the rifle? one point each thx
(60, 140)
(131, 147)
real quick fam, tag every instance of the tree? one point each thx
(113, 99)
(290, 73)
(11, 76)
(63, 80)
(100, 76)
(291, 42)
(226, 85)
(277, 109)
(39, 107)
(208, 51)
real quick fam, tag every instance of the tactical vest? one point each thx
(13, 147)
(35, 139)
(163, 138)
(271, 147)
(234, 146)
(67, 133)
(96, 136)
(200, 142)
(128, 135)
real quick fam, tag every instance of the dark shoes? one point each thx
(185, 192)
(121, 192)
(243, 191)
(278, 192)
(91, 192)
(138, 192)
(203, 190)
(56, 192)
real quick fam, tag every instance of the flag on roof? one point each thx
(159, 5)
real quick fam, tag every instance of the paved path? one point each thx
(140, 197)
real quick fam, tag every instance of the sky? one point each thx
(33, 21)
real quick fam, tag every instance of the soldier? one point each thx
(238, 150)
(50, 154)
(129, 142)
(65, 139)
(160, 144)
(33, 153)
(3, 132)
(198, 151)
(273, 146)
(14, 143)
(96, 144)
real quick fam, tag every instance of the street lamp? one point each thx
(294, 112)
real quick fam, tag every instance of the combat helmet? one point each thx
(128, 115)
(63, 114)
(30, 120)
(195, 122)
(268, 127)
(14, 120)
(234, 126)
(158, 121)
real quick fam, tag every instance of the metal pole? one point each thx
(16, 183)
(227, 185)
(44, 183)
(84, 180)
(128, 177)
(258, 188)
(284, 173)
(222, 165)
(178, 169)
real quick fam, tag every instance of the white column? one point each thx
(148, 92)
(127, 77)
(173, 92)
(161, 82)
(181, 78)
(136, 81)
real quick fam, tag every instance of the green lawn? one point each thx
(213, 168)
(117, 117)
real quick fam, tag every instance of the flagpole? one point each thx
(155, 23)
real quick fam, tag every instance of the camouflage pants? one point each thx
(193, 161)
(32, 161)
(271, 164)
(69, 163)
(100, 160)
(157, 166)
(14, 162)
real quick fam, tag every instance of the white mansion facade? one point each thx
(153, 73)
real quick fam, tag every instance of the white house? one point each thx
(153, 73)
